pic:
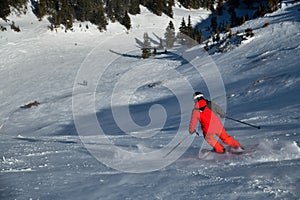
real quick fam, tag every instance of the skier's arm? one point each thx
(193, 122)
(217, 109)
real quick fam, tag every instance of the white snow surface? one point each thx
(46, 155)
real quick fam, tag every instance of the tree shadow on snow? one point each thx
(160, 55)
(127, 55)
(139, 114)
(292, 16)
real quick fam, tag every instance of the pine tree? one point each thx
(189, 28)
(234, 3)
(4, 9)
(260, 11)
(243, 19)
(195, 4)
(233, 17)
(214, 24)
(146, 51)
(134, 7)
(84, 10)
(154, 52)
(185, 3)
(170, 35)
(67, 13)
(227, 27)
(168, 10)
(158, 7)
(55, 17)
(191, 39)
(198, 36)
(182, 32)
(218, 35)
(126, 21)
(249, 3)
(183, 28)
(111, 9)
(98, 17)
(41, 9)
(120, 10)
(272, 5)
(18, 4)
(220, 7)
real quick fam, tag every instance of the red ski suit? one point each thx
(211, 126)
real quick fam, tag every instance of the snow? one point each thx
(114, 137)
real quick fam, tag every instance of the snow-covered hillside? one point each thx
(108, 119)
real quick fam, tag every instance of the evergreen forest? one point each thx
(101, 12)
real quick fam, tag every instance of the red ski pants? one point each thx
(210, 139)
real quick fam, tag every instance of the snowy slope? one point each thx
(84, 141)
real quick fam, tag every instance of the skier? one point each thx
(205, 111)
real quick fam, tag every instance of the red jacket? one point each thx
(210, 122)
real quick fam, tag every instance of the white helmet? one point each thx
(197, 96)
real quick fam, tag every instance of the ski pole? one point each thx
(258, 127)
(176, 146)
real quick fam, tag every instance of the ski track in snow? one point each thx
(42, 156)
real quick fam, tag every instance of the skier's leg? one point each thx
(228, 139)
(210, 139)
